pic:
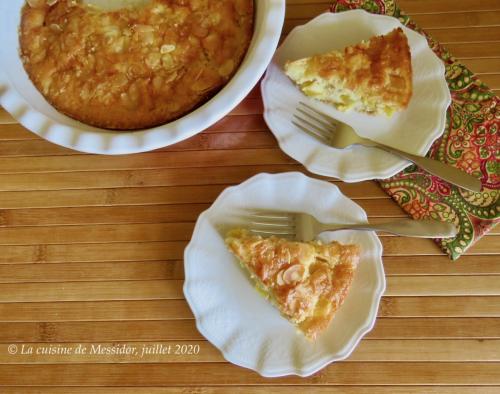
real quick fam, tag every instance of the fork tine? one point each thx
(269, 222)
(315, 128)
(328, 126)
(270, 214)
(311, 133)
(327, 118)
(273, 230)
(323, 131)
(283, 221)
(290, 236)
(269, 225)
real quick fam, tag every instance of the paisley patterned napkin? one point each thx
(470, 142)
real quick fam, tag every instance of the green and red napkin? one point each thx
(469, 142)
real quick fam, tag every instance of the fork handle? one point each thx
(403, 227)
(442, 170)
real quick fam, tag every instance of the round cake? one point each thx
(133, 68)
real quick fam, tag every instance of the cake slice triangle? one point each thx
(374, 76)
(306, 281)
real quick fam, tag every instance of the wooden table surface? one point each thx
(91, 253)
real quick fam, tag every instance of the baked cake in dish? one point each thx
(307, 282)
(133, 68)
(374, 76)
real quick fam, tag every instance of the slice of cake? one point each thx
(374, 76)
(306, 281)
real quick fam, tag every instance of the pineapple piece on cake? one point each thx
(374, 76)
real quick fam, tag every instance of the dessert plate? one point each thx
(412, 130)
(241, 323)
(23, 101)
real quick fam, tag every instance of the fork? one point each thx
(340, 135)
(301, 226)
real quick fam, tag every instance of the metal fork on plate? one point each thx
(304, 227)
(340, 135)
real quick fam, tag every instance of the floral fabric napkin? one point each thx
(470, 142)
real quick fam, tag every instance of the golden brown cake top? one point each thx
(374, 76)
(380, 67)
(134, 67)
(306, 281)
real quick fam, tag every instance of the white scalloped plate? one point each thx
(243, 325)
(413, 130)
(23, 101)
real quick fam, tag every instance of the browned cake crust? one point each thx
(385, 71)
(374, 76)
(133, 68)
(307, 282)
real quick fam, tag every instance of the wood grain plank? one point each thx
(460, 51)
(97, 271)
(442, 285)
(65, 229)
(483, 66)
(97, 234)
(172, 289)
(253, 122)
(92, 291)
(485, 350)
(136, 178)
(172, 250)
(249, 106)
(93, 252)
(233, 123)
(435, 20)
(5, 117)
(185, 330)
(379, 210)
(12, 221)
(159, 160)
(15, 132)
(491, 80)
(128, 214)
(420, 246)
(432, 328)
(439, 306)
(426, 350)
(30, 147)
(441, 265)
(485, 306)
(462, 34)
(145, 195)
(193, 374)
(202, 141)
(174, 269)
(465, 34)
(457, 19)
(151, 232)
(462, 42)
(111, 197)
(430, 6)
(95, 311)
(248, 389)
(303, 9)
